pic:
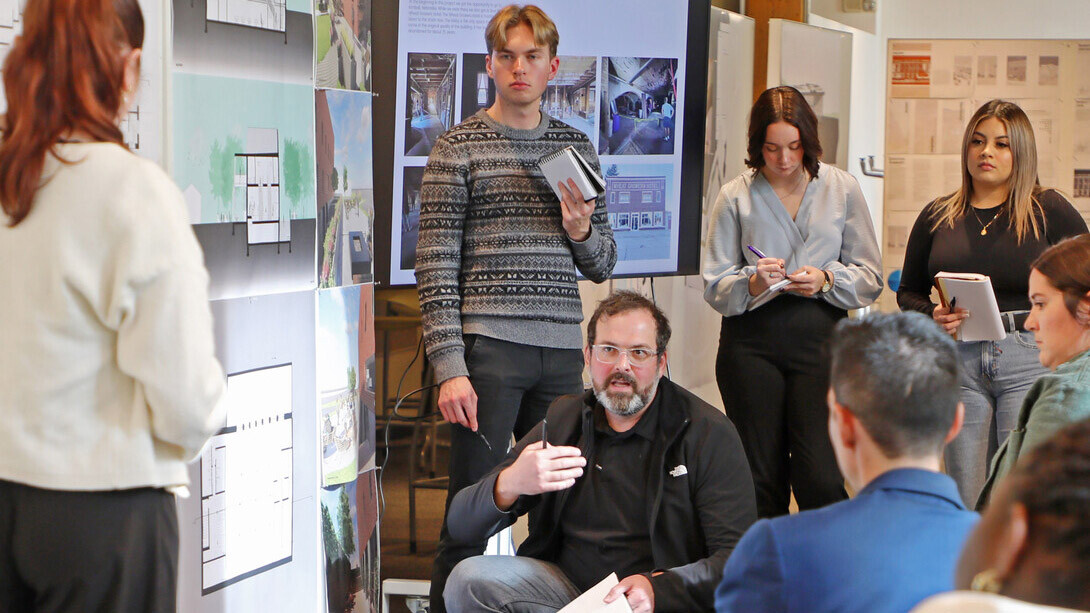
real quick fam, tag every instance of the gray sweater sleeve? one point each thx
(857, 275)
(725, 271)
(444, 197)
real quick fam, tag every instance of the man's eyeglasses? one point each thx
(608, 354)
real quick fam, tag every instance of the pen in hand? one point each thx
(756, 251)
(544, 433)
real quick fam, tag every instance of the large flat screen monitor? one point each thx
(631, 73)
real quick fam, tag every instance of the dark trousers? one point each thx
(87, 551)
(515, 384)
(773, 373)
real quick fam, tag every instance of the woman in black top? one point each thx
(996, 224)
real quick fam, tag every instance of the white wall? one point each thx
(866, 124)
(980, 19)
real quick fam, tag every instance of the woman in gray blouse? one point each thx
(804, 225)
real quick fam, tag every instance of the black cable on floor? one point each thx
(389, 419)
(394, 413)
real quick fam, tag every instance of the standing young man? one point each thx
(496, 263)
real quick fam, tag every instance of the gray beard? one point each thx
(622, 407)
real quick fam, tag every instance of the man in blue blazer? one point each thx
(893, 406)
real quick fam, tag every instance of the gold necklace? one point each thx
(984, 229)
(802, 173)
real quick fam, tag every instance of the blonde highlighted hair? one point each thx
(1024, 186)
(545, 34)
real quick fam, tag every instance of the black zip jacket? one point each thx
(701, 501)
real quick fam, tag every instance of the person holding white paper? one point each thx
(1059, 318)
(637, 476)
(811, 221)
(995, 224)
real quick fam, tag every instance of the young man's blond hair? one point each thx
(545, 34)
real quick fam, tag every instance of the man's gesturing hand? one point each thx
(637, 590)
(537, 471)
(458, 402)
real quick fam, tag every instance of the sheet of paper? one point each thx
(591, 600)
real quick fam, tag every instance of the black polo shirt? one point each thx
(604, 524)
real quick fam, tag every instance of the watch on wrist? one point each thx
(828, 285)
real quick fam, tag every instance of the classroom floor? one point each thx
(397, 561)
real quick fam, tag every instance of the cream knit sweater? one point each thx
(108, 378)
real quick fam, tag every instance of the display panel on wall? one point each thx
(342, 44)
(350, 541)
(243, 140)
(249, 531)
(817, 62)
(622, 89)
(142, 125)
(346, 202)
(935, 86)
(346, 382)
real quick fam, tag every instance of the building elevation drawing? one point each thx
(264, 14)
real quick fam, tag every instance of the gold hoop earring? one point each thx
(986, 581)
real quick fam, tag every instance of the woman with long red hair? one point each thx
(108, 378)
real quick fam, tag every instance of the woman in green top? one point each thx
(1059, 294)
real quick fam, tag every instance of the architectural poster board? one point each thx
(934, 86)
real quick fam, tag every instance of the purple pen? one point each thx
(756, 251)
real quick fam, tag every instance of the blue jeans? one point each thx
(995, 377)
(507, 584)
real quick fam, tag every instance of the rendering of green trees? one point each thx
(221, 172)
(348, 531)
(298, 164)
(329, 535)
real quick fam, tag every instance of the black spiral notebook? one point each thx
(568, 164)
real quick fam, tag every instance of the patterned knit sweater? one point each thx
(493, 258)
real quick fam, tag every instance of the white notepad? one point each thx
(590, 601)
(973, 293)
(568, 164)
(770, 293)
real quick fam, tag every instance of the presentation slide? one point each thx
(624, 89)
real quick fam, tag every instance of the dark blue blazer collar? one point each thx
(918, 481)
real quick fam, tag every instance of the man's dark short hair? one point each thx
(623, 301)
(898, 374)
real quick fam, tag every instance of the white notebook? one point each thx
(591, 601)
(568, 164)
(972, 292)
(770, 293)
